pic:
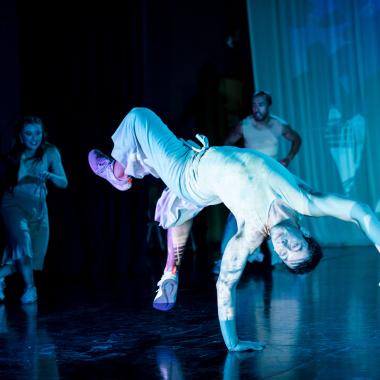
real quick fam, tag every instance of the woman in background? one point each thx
(30, 164)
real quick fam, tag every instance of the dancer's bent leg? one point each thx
(168, 285)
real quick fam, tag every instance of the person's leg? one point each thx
(168, 285)
(5, 271)
(340, 207)
(19, 245)
(230, 230)
(21, 237)
(177, 239)
(109, 169)
(39, 236)
(38, 232)
(118, 170)
(26, 269)
(25, 266)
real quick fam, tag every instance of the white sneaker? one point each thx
(30, 295)
(2, 287)
(102, 165)
(166, 292)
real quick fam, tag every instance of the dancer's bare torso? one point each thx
(249, 183)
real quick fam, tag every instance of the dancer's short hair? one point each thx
(315, 257)
(267, 95)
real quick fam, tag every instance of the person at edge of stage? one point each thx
(31, 163)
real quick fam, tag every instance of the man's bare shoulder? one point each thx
(247, 120)
(278, 121)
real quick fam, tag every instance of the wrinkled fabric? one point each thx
(172, 210)
(144, 145)
(245, 180)
(25, 215)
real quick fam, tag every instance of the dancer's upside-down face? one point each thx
(290, 244)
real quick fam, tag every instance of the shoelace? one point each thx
(102, 163)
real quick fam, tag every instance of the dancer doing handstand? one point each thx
(265, 198)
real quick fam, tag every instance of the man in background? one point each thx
(261, 131)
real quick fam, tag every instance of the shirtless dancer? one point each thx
(264, 197)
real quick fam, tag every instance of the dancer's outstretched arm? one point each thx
(327, 204)
(233, 263)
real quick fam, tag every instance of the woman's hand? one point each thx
(44, 175)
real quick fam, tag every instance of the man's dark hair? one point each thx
(266, 94)
(315, 257)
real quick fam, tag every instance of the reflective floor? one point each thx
(325, 325)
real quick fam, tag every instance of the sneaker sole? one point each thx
(168, 297)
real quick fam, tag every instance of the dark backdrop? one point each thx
(82, 67)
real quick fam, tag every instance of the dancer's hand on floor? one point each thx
(246, 345)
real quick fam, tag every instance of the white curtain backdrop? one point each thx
(320, 60)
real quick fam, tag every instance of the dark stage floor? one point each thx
(325, 325)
